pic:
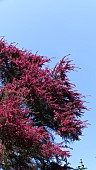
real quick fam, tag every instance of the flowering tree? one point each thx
(36, 101)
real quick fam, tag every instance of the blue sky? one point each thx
(56, 28)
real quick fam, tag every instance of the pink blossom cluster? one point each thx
(36, 100)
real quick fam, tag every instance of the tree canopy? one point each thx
(36, 101)
(81, 166)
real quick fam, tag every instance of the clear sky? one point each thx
(56, 28)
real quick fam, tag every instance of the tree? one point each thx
(81, 167)
(34, 102)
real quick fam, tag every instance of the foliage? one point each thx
(81, 167)
(36, 101)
